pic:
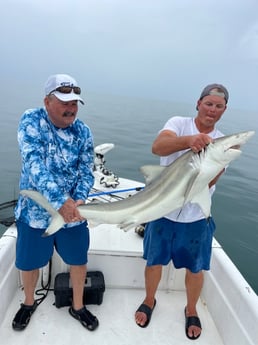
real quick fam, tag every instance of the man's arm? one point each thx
(167, 142)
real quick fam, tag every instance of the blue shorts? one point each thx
(34, 251)
(188, 245)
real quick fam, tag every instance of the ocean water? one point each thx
(132, 124)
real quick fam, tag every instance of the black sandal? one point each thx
(86, 318)
(23, 315)
(192, 321)
(143, 308)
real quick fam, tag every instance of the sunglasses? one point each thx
(67, 89)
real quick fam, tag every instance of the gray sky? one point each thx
(158, 49)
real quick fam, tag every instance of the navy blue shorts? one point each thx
(188, 245)
(34, 251)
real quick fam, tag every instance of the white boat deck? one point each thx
(116, 317)
(118, 255)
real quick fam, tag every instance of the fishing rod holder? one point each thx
(105, 176)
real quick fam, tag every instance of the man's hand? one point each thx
(199, 141)
(70, 212)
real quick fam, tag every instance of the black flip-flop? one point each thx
(144, 308)
(192, 321)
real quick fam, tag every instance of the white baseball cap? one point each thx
(64, 87)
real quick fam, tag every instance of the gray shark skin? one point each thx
(167, 188)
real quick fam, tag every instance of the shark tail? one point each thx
(57, 221)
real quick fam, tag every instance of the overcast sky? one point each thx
(158, 49)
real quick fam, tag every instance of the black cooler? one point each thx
(93, 289)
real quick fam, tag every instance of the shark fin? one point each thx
(126, 226)
(203, 199)
(190, 185)
(150, 172)
(39, 199)
(57, 221)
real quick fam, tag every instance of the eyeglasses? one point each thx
(67, 89)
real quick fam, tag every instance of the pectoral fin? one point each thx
(203, 199)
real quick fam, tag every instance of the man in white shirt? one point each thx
(183, 236)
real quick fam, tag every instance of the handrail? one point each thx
(7, 204)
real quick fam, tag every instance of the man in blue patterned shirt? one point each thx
(57, 155)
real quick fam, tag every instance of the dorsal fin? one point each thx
(150, 172)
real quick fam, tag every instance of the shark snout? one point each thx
(234, 142)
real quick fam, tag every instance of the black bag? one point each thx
(93, 289)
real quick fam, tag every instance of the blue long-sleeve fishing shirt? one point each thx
(57, 162)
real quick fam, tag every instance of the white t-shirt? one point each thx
(185, 126)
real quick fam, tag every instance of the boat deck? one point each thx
(118, 255)
(116, 318)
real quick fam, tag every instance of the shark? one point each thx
(166, 189)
